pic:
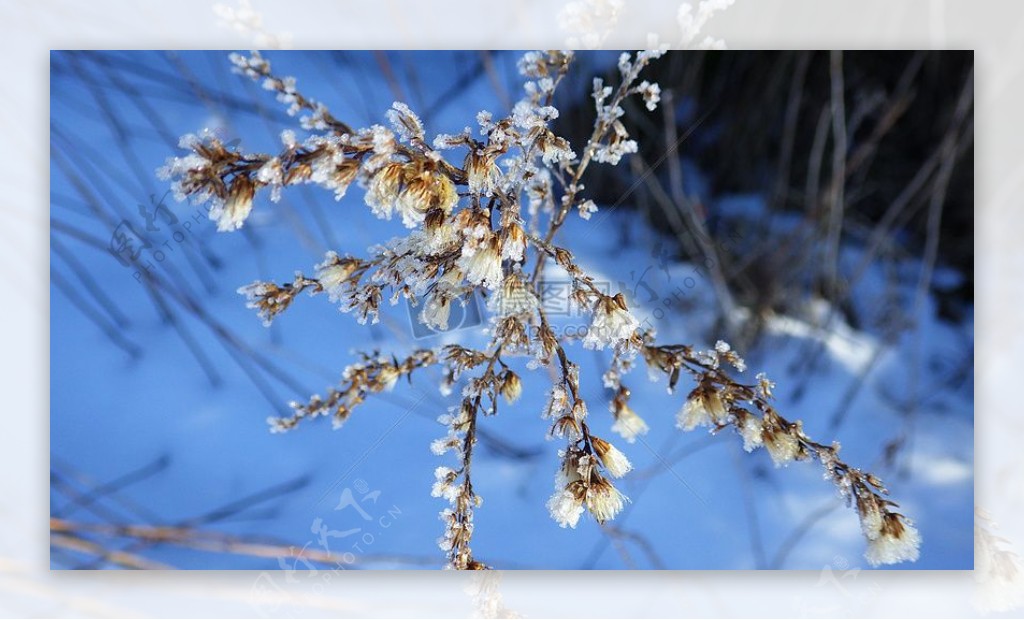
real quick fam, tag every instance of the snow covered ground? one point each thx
(699, 501)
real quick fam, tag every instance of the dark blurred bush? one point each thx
(761, 122)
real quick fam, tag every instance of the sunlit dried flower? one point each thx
(424, 189)
(514, 246)
(382, 190)
(752, 431)
(443, 487)
(482, 172)
(765, 385)
(387, 378)
(782, 446)
(232, 213)
(704, 407)
(566, 507)
(511, 386)
(628, 424)
(870, 509)
(566, 504)
(405, 122)
(604, 501)
(334, 274)
(897, 541)
(483, 267)
(611, 323)
(613, 460)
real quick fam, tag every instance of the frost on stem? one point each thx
(476, 208)
(691, 23)
(589, 22)
(373, 374)
(719, 402)
(997, 568)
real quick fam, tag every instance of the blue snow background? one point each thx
(200, 436)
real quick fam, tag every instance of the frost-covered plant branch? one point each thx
(479, 207)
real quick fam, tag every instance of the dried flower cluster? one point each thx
(373, 374)
(479, 206)
(719, 402)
